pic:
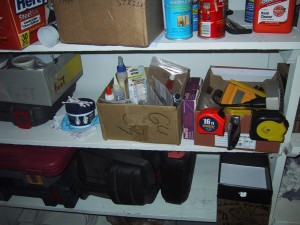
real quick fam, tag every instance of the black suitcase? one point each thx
(128, 177)
(27, 115)
(177, 175)
(43, 172)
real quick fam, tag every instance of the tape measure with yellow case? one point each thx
(268, 125)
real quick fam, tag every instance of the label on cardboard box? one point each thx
(244, 141)
(20, 21)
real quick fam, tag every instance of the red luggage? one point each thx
(38, 171)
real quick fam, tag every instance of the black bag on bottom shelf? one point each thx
(177, 172)
(42, 172)
(129, 177)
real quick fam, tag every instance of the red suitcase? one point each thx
(38, 171)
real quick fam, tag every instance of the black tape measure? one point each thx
(268, 125)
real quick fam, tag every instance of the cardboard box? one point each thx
(144, 123)
(19, 22)
(244, 189)
(217, 78)
(190, 100)
(42, 86)
(107, 22)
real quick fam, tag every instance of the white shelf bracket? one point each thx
(290, 56)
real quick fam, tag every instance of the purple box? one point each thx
(190, 99)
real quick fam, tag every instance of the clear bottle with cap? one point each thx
(109, 95)
(121, 70)
(118, 90)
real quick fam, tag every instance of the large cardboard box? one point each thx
(19, 22)
(109, 22)
(144, 123)
(244, 189)
(41, 86)
(217, 78)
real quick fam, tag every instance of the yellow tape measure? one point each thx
(268, 125)
(237, 92)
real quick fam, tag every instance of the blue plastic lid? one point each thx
(121, 67)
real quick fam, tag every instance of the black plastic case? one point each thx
(43, 172)
(177, 172)
(26, 115)
(128, 177)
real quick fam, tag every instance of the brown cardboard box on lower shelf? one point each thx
(217, 78)
(143, 123)
(109, 22)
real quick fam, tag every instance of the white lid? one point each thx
(48, 36)
(172, 77)
(110, 97)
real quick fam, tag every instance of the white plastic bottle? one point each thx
(109, 95)
(118, 90)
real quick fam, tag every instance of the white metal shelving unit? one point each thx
(201, 205)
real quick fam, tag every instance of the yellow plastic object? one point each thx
(237, 111)
(237, 92)
(271, 131)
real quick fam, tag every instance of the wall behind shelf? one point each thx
(100, 68)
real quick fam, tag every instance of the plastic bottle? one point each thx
(273, 16)
(195, 8)
(109, 95)
(123, 86)
(249, 11)
(121, 70)
(117, 90)
(170, 82)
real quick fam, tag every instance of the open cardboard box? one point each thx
(41, 86)
(106, 22)
(143, 123)
(217, 78)
(244, 189)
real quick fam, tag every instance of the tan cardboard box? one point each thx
(109, 22)
(143, 123)
(42, 86)
(217, 78)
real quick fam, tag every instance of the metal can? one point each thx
(212, 16)
(249, 11)
(195, 8)
(178, 19)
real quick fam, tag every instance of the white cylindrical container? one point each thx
(24, 62)
(49, 35)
